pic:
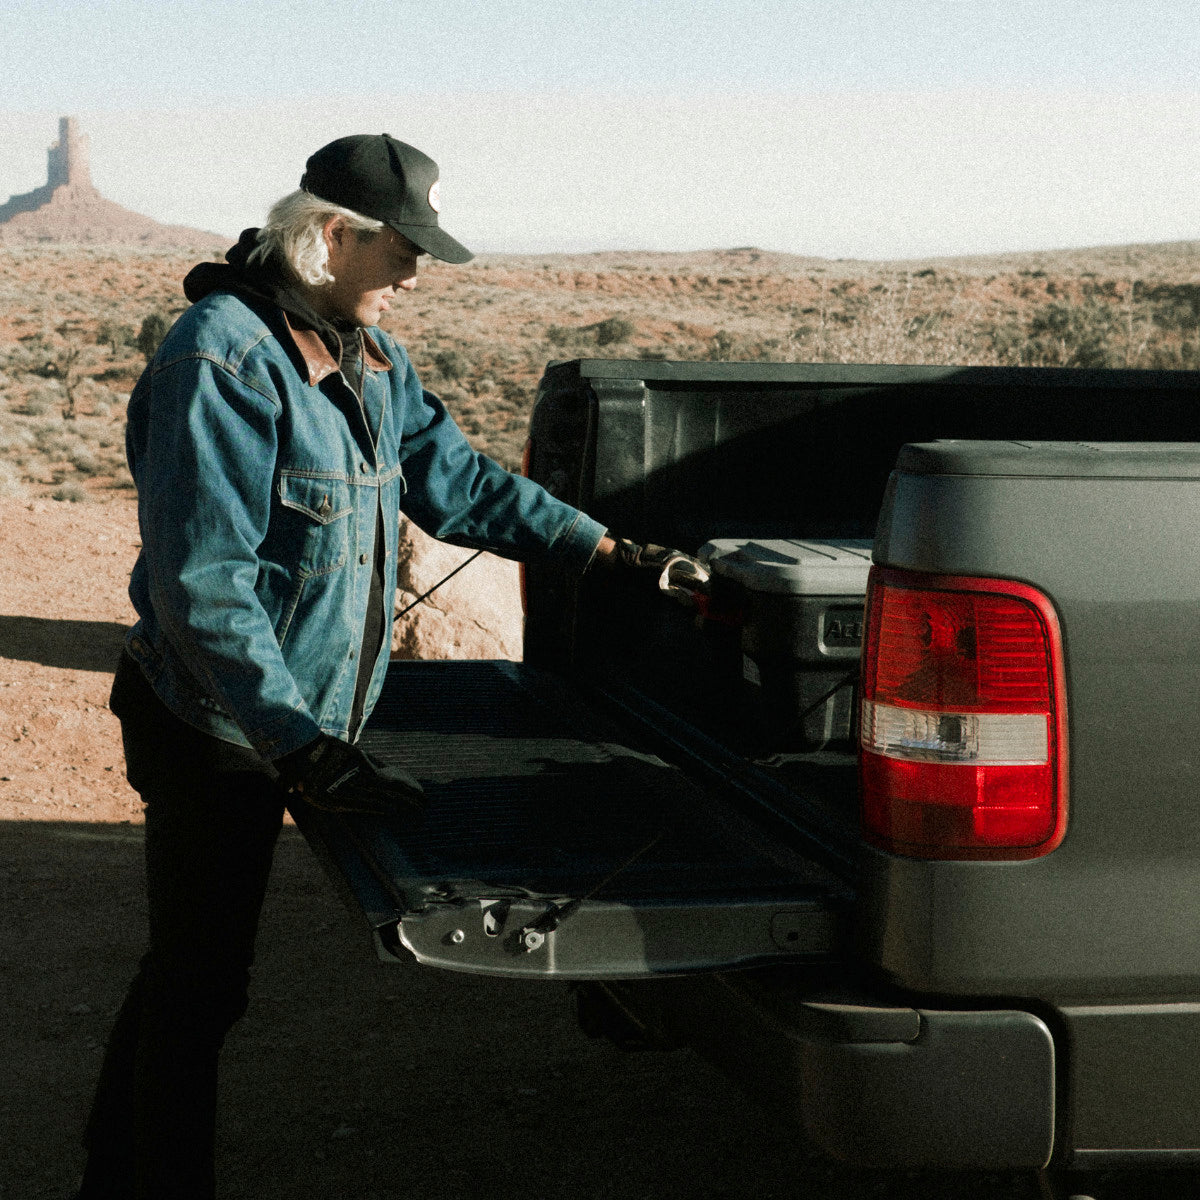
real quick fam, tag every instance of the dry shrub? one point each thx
(481, 334)
(453, 398)
(57, 440)
(613, 330)
(16, 438)
(122, 479)
(154, 327)
(451, 364)
(42, 399)
(93, 396)
(12, 483)
(85, 462)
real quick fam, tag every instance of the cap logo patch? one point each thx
(435, 196)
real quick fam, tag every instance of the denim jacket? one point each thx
(258, 485)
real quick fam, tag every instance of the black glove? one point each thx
(335, 776)
(679, 574)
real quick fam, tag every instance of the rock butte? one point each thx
(68, 209)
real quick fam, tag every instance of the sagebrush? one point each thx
(481, 335)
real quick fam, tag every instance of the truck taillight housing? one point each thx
(963, 723)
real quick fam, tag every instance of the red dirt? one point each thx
(63, 613)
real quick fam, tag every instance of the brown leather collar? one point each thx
(319, 361)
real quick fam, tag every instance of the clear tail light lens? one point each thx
(963, 724)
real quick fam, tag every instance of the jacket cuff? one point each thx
(581, 541)
(285, 737)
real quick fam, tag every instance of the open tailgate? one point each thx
(556, 845)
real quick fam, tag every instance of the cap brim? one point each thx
(434, 240)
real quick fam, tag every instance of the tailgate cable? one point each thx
(466, 562)
(532, 936)
(797, 723)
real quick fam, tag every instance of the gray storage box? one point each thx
(801, 638)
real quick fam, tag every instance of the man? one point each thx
(274, 439)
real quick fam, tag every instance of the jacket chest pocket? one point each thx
(316, 511)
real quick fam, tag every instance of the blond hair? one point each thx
(295, 230)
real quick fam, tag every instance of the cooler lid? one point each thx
(791, 566)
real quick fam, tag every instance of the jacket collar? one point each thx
(318, 359)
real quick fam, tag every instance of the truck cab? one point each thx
(895, 822)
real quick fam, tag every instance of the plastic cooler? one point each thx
(800, 610)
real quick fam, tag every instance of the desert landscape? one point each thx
(346, 1079)
(72, 320)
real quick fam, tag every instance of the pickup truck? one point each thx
(934, 895)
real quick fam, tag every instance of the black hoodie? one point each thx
(270, 281)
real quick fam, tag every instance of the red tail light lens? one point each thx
(963, 731)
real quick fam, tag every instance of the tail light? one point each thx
(963, 732)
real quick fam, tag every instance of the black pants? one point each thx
(210, 837)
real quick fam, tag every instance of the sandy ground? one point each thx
(63, 613)
(348, 1078)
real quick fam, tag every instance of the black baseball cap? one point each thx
(380, 177)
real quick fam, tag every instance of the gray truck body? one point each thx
(607, 812)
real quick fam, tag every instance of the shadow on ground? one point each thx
(354, 1079)
(75, 645)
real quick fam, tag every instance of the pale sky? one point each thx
(843, 128)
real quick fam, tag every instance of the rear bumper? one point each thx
(973, 1089)
(873, 1085)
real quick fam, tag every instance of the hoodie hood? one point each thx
(270, 281)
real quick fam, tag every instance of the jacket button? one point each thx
(362, 467)
(362, 558)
